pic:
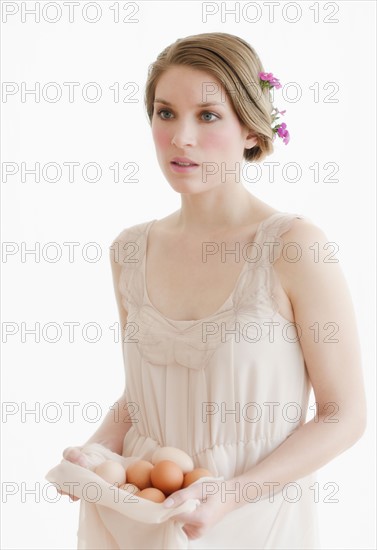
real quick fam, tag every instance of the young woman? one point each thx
(238, 314)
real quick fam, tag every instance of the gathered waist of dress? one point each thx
(210, 457)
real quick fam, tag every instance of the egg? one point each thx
(130, 488)
(112, 472)
(139, 473)
(182, 459)
(151, 493)
(167, 476)
(193, 476)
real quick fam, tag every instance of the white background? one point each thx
(105, 132)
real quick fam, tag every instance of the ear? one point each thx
(250, 140)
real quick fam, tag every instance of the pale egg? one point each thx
(182, 459)
(112, 472)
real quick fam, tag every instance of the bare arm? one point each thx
(118, 420)
(319, 294)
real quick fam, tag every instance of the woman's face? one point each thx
(211, 136)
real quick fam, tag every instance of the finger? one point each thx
(191, 532)
(73, 454)
(187, 517)
(177, 498)
(70, 453)
(67, 494)
(182, 518)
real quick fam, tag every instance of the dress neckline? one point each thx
(230, 297)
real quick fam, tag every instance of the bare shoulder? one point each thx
(315, 275)
(303, 229)
(326, 320)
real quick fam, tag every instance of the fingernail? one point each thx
(82, 462)
(168, 502)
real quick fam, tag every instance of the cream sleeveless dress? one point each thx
(227, 389)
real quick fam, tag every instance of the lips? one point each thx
(184, 160)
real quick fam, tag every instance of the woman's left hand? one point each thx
(211, 509)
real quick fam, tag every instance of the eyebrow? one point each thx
(205, 104)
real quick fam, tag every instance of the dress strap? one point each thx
(268, 241)
(255, 293)
(128, 250)
(129, 245)
(255, 286)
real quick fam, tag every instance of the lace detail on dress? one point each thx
(161, 341)
(254, 295)
(129, 251)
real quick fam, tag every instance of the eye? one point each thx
(211, 114)
(162, 111)
(204, 113)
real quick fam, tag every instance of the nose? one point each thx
(183, 135)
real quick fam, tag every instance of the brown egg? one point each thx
(193, 476)
(151, 493)
(139, 474)
(167, 476)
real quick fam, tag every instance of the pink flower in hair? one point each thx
(281, 130)
(267, 80)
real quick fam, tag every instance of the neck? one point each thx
(222, 208)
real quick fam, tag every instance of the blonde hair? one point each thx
(236, 65)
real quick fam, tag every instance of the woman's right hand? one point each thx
(89, 456)
(74, 455)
